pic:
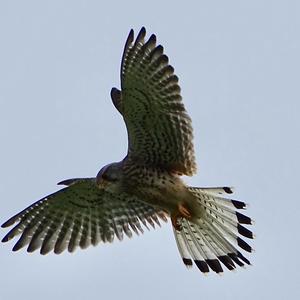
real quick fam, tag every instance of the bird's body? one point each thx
(168, 192)
(146, 185)
(155, 186)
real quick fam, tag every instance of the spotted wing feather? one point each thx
(79, 215)
(159, 128)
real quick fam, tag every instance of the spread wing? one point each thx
(79, 215)
(159, 128)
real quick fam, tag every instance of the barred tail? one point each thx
(216, 236)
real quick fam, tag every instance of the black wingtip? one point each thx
(143, 31)
(114, 92)
(64, 182)
(115, 95)
(68, 182)
(5, 239)
(10, 221)
(130, 38)
(152, 38)
(141, 35)
(159, 48)
(131, 34)
(17, 246)
(6, 224)
(157, 52)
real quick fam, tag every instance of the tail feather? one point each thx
(213, 250)
(191, 249)
(201, 245)
(182, 246)
(230, 229)
(215, 237)
(213, 195)
(217, 190)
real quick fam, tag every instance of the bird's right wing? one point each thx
(79, 215)
(159, 128)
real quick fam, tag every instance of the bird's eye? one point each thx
(105, 176)
(107, 173)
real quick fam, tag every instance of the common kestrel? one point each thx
(146, 185)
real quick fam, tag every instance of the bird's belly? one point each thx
(163, 196)
(158, 188)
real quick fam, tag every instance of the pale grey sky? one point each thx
(238, 64)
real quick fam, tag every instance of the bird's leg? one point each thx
(182, 212)
(174, 220)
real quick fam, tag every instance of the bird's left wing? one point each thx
(79, 215)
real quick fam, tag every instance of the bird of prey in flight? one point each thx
(146, 186)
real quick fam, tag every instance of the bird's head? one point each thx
(109, 173)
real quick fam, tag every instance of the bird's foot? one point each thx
(182, 212)
(175, 222)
